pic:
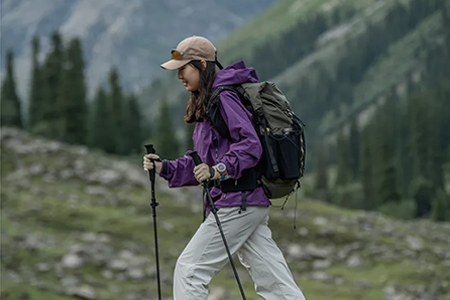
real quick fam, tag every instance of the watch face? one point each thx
(221, 167)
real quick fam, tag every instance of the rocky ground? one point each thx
(76, 224)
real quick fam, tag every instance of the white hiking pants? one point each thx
(246, 233)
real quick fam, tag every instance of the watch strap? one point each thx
(212, 172)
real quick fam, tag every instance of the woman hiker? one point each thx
(245, 228)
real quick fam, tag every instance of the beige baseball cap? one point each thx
(191, 48)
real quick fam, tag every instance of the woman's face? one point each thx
(190, 76)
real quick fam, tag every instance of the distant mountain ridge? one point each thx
(133, 35)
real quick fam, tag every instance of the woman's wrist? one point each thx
(158, 167)
(221, 172)
(214, 173)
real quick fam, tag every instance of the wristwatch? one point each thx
(222, 169)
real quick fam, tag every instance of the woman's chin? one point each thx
(189, 88)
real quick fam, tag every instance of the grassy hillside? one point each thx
(77, 224)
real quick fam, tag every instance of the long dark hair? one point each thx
(196, 108)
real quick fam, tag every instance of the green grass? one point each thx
(405, 273)
(23, 291)
(323, 291)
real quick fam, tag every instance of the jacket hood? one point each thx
(235, 74)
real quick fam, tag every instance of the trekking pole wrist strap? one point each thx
(212, 172)
(164, 167)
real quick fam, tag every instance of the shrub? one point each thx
(349, 196)
(404, 210)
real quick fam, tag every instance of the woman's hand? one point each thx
(148, 164)
(203, 172)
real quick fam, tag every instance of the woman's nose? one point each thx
(179, 75)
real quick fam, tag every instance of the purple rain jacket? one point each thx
(242, 152)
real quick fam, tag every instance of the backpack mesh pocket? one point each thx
(286, 149)
(288, 152)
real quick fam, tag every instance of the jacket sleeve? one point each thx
(246, 149)
(179, 172)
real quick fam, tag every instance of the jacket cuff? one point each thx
(165, 170)
(164, 167)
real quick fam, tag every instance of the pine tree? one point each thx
(36, 94)
(133, 128)
(435, 151)
(388, 191)
(440, 210)
(10, 103)
(343, 160)
(116, 108)
(424, 142)
(443, 97)
(367, 168)
(421, 131)
(321, 175)
(50, 126)
(72, 98)
(354, 148)
(423, 196)
(101, 135)
(165, 135)
(387, 172)
(404, 154)
(147, 131)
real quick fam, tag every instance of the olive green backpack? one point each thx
(280, 131)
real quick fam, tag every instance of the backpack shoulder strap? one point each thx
(213, 108)
(238, 89)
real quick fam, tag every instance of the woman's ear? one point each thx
(204, 64)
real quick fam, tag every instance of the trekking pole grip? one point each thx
(150, 149)
(195, 157)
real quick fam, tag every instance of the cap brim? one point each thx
(174, 64)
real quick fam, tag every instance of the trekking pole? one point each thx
(214, 209)
(154, 204)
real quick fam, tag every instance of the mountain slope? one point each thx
(391, 68)
(77, 223)
(268, 26)
(333, 59)
(403, 64)
(256, 36)
(133, 35)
